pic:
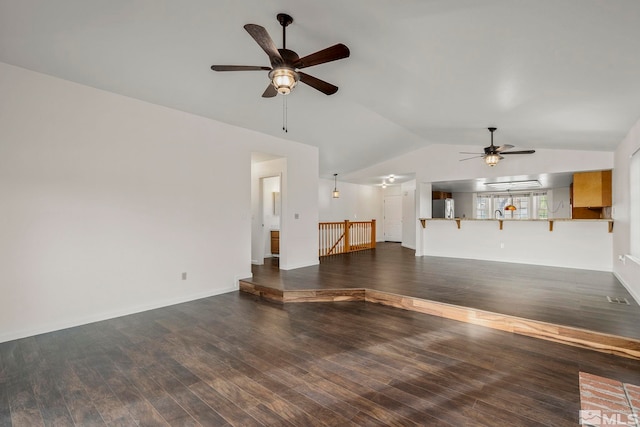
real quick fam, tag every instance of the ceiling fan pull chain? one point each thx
(285, 125)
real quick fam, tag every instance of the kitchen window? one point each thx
(530, 205)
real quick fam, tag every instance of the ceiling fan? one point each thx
(492, 154)
(285, 63)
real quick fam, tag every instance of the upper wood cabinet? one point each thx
(438, 195)
(592, 189)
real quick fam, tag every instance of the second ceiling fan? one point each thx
(492, 154)
(285, 64)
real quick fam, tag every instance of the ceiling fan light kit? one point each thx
(285, 64)
(492, 159)
(284, 79)
(492, 154)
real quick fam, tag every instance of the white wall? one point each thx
(107, 200)
(448, 168)
(464, 205)
(572, 244)
(299, 219)
(408, 190)
(628, 271)
(365, 202)
(560, 203)
(356, 203)
(440, 162)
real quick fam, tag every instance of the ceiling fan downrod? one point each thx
(492, 130)
(284, 20)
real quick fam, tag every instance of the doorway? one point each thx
(271, 207)
(393, 218)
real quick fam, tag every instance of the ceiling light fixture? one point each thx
(336, 193)
(283, 79)
(492, 159)
(384, 184)
(392, 178)
(532, 183)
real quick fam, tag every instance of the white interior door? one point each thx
(393, 218)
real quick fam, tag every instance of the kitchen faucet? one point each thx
(498, 213)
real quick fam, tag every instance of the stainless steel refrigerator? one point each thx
(442, 208)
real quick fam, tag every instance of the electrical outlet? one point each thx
(184, 276)
(501, 245)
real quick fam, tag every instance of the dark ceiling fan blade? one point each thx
(518, 152)
(504, 147)
(474, 157)
(321, 85)
(270, 92)
(333, 53)
(238, 68)
(468, 152)
(262, 37)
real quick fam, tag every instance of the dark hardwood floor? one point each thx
(562, 296)
(235, 359)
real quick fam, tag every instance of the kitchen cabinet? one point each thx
(591, 194)
(275, 242)
(592, 189)
(438, 195)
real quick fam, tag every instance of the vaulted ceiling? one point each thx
(547, 73)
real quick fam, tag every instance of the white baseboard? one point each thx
(239, 277)
(633, 293)
(56, 326)
(294, 266)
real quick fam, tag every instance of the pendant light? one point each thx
(336, 193)
(510, 207)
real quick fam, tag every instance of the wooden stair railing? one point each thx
(346, 236)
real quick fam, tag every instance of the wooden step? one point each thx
(598, 341)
